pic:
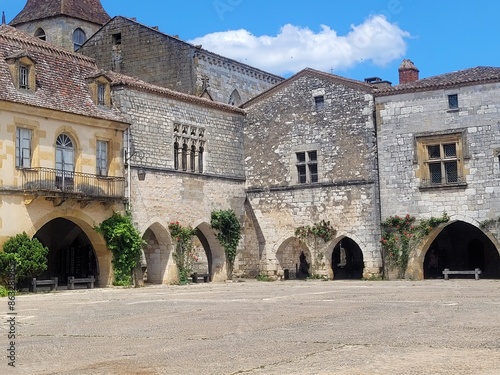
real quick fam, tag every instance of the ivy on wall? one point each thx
(228, 232)
(184, 253)
(125, 242)
(401, 235)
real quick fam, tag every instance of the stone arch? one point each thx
(157, 250)
(347, 259)
(448, 246)
(330, 248)
(86, 224)
(290, 256)
(235, 98)
(215, 254)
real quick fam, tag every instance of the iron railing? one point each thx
(54, 181)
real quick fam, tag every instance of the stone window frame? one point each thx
(96, 84)
(19, 64)
(102, 162)
(308, 165)
(437, 143)
(24, 135)
(189, 148)
(453, 102)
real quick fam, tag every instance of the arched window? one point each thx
(192, 158)
(176, 155)
(65, 162)
(184, 156)
(40, 33)
(235, 98)
(79, 38)
(200, 160)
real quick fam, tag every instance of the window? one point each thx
(307, 167)
(23, 148)
(101, 90)
(79, 38)
(102, 158)
(65, 162)
(24, 77)
(40, 34)
(117, 39)
(441, 160)
(453, 101)
(319, 102)
(191, 157)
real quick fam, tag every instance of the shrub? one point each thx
(28, 255)
(228, 232)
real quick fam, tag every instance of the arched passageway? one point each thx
(461, 246)
(71, 253)
(156, 254)
(294, 258)
(347, 260)
(203, 262)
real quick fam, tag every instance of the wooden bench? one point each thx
(83, 280)
(476, 273)
(52, 283)
(200, 276)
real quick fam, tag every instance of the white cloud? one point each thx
(295, 48)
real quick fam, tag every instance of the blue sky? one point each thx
(355, 39)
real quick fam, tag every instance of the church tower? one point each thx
(65, 23)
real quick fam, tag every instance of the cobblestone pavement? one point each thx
(295, 327)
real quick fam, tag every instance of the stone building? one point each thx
(64, 23)
(125, 46)
(61, 153)
(310, 156)
(190, 150)
(439, 151)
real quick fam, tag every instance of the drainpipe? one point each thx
(127, 160)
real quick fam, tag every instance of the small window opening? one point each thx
(117, 39)
(453, 101)
(319, 102)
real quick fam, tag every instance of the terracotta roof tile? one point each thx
(61, 77)
(467, 77)
(87, 10)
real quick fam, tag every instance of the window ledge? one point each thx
(461, 185)
(452, 110)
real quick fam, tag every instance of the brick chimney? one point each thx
(407, 72)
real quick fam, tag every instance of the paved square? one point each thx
(294, 327)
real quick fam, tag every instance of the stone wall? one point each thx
(286, 121)
(402, 117)
(167, 194)
(157, 58)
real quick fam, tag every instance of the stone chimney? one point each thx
(407, 72)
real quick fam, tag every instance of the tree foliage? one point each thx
(28, 255)
(184, 253)
(125, 242)
(228, 232)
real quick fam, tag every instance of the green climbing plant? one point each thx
(125, 242)
(228, 232)
(322, 231)
(401, 235)
(184, 253)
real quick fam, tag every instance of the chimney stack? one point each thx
(407, 72)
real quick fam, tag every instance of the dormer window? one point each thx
(22, 70)
(24, 73)
(101, 94)
(100, 89)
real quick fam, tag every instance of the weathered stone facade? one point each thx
(413, 121)
(289, 120)
(170, 193)
(128, 47)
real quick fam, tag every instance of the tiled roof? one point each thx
(127, 81)
(87, 10)
(60, 75)
(467, 77)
